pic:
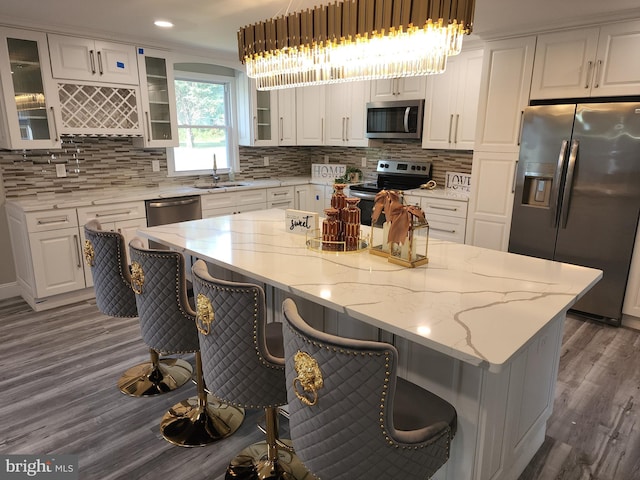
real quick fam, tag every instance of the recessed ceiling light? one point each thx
(163, 23)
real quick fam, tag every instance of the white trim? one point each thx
(631, 322)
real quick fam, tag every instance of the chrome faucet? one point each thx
(216, 177)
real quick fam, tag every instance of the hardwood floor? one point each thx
(59, 368)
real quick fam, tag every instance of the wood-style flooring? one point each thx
(59, 368)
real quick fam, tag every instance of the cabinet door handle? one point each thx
(49, 221)
(110, 214)
(520, 127)
(450, 125)
(589, 67)
(343, 129)
(277, 194)
(75, 239)
(455, 136)
(346, 130)
(597, 74)
(92, 60)
(442, 230)
(146, 114)
(280, 128)
(322, 129)
(100, 63)
(255, 128)
(287, 203)
(55, 124)
(515, 174)
(439, 207)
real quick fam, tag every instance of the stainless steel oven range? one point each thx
(392, 175)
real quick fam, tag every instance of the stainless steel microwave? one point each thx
(397, 119)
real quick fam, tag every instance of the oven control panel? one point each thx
(405, 167)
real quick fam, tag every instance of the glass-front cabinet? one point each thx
(158, 99)
(258, 114)
(28, 92)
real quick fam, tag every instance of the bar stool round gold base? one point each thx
(253, 464)
(195, 423)
(149, 379)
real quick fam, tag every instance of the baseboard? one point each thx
(631, 322)
(8, 290)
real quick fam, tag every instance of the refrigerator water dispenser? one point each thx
(537, 191)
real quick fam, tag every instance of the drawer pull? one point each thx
(442, 230)
(288, 202)
(51, 221)
(280, 193)
(448, 209)
(110, 214)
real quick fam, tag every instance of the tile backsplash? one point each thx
(97, 163)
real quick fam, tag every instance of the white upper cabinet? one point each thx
(405, 88)
(74, 58)
(287, 116)
(504, 93)
(346, 113)
(30, 113)
(257, 114)
(157, 94)
(451, 106)
(588, 62)
(310, 115)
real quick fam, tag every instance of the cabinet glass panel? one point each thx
(28, 88)
(158, 91)
(264, 115)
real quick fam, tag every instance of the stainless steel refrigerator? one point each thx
(577, 194)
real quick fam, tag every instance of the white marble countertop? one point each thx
(438, 193)
(477, 305)
(51, 201)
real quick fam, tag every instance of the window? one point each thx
(204, 125)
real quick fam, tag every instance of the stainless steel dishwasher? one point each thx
(162, 211)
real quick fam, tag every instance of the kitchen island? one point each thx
(478, 327)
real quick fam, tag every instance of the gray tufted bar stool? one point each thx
(167, 322)
(350, 416)
(243, 364)
(105, 252)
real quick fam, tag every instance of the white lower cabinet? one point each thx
(228, 203)
(280, 197)
(301, 197)
(447, 217)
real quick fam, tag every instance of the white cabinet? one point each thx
(47, 252)
(447, 217)
(125, 218)
(491, 200)
(287, 116)
(404, 88)
(588, 62)
(346, 113)
(631, 304)
(257, 114)
(29, 116)
(157, 94)
(301, 197)
(227, 203)
(504, 93)
(452, 104)
(281, 197)
(74, 58)
(310, 115)
(319, 198)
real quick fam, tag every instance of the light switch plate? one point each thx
(155, 165)
(363, 162)
(61, 170)
(266, 161)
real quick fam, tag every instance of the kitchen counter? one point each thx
(109, 196)
(438, 193)
(481, 328)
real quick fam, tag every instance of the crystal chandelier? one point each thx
(355, 40)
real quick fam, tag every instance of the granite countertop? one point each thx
(51, 201)
(478, 305)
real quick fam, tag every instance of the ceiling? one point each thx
(210, 26)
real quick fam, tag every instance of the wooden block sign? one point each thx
(458, 182)
(300, 222)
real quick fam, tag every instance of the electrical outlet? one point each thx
(61, 170)
(155, 165)
(266, 161)
(363, 162)
(326, 159)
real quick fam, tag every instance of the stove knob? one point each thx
(413, 167)
(424, 168)
(386, 165)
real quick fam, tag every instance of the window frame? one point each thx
(232, 130)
